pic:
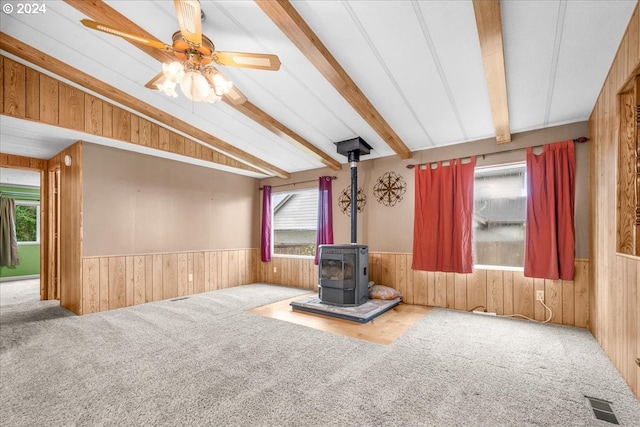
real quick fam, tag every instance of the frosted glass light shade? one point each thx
(212, 98)
(195, 86)
(222, 85)
(167, 87)
(173, 71)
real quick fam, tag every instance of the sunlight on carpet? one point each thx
(384, 329)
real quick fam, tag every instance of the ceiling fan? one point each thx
(195, 53)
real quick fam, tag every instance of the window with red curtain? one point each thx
(265, 232)
(324, 234)
(550, 234)
(443, 217)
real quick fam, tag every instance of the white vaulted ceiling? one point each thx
(418, 62)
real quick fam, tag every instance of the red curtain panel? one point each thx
(265, 233)
(443, 217)
(550, 234)
(324, 235)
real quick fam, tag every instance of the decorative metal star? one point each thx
(389, 189)
(344, 201)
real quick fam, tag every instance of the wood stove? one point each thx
(344, 275)
(343, 269)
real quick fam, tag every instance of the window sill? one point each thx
(293, 256)
(497, 268)
(28, 243)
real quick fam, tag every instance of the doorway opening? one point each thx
(30, 272)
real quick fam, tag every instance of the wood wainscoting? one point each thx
(298, 272)
(110, 282)
(501, 292)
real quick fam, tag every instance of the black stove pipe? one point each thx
(354, 158)
(353, 148)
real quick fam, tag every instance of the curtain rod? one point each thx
(299, 182)
(580, 139)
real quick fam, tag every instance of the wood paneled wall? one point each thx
(615, 278)
(31, 95)
(70, 232)
(501, 292)
(286, 271)
(21, 162)
(112, 282)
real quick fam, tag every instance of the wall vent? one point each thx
(602, 410)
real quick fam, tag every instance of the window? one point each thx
(295, 220)
(500, 206)
(27, 222)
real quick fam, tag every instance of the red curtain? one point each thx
(443, 217)
(265, 232)
(550, 235)
(324, 234)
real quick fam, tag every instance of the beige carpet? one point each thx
(205, 361)
(384, 329)
(19, 291)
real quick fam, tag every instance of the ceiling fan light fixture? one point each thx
(168, 88)
(212, 98)
(198, 79)
(173, 71)
(195, 86)
(221, 86)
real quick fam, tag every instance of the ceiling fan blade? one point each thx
(258, 61)
(157, 79)
(125, 35)
(188, 12)
(235, 97)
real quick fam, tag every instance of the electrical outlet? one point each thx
(190, 277)
(275, 269)
(539, 295)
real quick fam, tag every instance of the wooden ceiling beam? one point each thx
(284, 15)
(103, 13)
(489, 23)
(59, 68)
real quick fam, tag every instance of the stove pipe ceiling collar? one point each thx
(353, 149)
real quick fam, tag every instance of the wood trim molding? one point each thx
(69, 245)
(489, 23)
(284, 15)
(101, 12)
(41, 59)
(21, 162)
(626, 174)
(13, 161)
